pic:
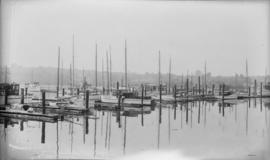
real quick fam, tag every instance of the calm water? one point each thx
(197, 130)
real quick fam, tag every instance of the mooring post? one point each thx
(43, 102)
(63, 92)
(26, 91)
(118, 94)
(199, 79)
(78, 91)
(255, 87)
(219, 90)
(142, 94)
(248, 92)
(87, 99)
(196, 89)
(22, 96)
(160, 93)
(6, 95)
(187, 87)
(261, 90)
(223, 88)
(206, 91)
(145, 91)
(175, 92)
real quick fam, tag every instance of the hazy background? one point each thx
(222, 33)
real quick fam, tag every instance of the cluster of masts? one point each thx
(108, 70)
(109, 84)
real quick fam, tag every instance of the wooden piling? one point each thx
(248, 92)
(160, 93)
(63, 92)
(206, 90)
(118, 94)
(145, 91)
(196, 89)
(26, 91)
(199, 81)
(78, 91)
(43, 102)
(261, 89)
(142, 94)
(87, 99)
(187, 87)
(223, 88)
(6, 95)
(175, 92)
(22, 96)
(219, 90)
(255, 87)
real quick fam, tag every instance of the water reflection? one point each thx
(221, 127)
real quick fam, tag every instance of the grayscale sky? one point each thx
(222, 33)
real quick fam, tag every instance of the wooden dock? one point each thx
(29, 116)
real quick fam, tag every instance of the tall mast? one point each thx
(205, 75)
(6, 74)
(58, 70)
(62, 74)
(247, 74)
(96, 67)
(108, 85)
(70, 78)
(170, 67)
(159, 78)
(102, 74)
(72, 64)
(126, 64)
(265, 77)
(110, 69)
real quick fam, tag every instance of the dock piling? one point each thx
(248, 92)
(22, 95)
(223, 88)
(43, 102)
(87, 99)
(142, 94)
(199, 79)
(160, 93)
(187, 87)
(118, 94)
(6, 96)
(255, 87)
(175, 92)
(261, 89)
(63, 92)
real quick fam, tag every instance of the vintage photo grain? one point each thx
(134, 79)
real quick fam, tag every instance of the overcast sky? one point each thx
(223, 34)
